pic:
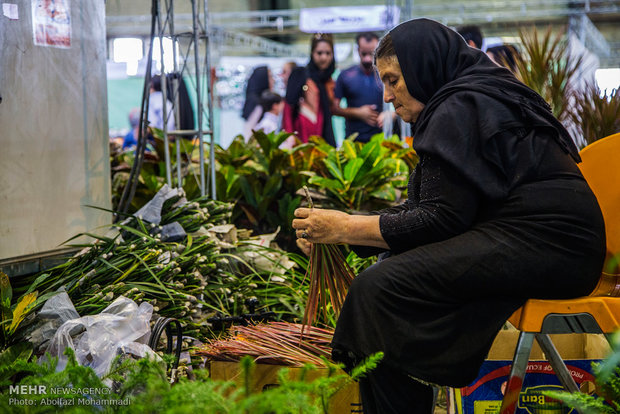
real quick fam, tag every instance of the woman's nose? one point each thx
(387, 96)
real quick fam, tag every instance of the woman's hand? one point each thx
(321, 226)
(314, 225)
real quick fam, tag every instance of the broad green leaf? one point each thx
(349, 149)
(326, 183)
(248, 191)
(37, 281)
(334, 168)
(21, 310)
(352, 168)
(263, 141)
(385, 192)
(272, 186)
(280, 138)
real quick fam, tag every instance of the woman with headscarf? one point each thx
(260, 80)
(309, 93)
(497, 213)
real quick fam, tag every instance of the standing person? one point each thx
(497, 213)
(361, 87)
(260, 80)
(472, 35)
(309, 93)
(156, 106)
(131, 138)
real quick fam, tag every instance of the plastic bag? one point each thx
(151, 211)
(55, 311)
(98, 339)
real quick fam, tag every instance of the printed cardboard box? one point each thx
(345, 401)
(484, 395)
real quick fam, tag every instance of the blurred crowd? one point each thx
(313, 94)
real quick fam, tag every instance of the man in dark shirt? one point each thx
(362, 89)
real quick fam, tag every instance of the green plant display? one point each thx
(359, 174)
(546, 66)
(607, 375)
(597, 116)
(143, 387)
(261, 179)
(13, 313)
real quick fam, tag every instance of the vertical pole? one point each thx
(198, 98)
(210, 101)
(175, 87)
(164, 93)
(517, 373)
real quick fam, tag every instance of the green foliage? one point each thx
(607, 375)
(12, 314)
(144, 387)
(546, 66)
(597, 116)
(261, 179)
(365, 176)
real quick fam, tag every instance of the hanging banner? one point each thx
(51, 23)
(348, 19)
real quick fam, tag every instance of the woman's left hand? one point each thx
(321, 226)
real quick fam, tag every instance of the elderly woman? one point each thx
(497, 213)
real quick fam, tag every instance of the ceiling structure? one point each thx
(238, 28)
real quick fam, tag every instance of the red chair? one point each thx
(597, 313)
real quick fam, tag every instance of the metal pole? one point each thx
(175, 87)
(210, 102)
(198, 98)
(164, 93)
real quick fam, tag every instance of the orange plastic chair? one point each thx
(597, 313)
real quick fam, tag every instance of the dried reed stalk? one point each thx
(330, 277)
(276, 343)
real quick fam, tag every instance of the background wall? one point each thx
(53, 132)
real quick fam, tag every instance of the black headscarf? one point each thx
(294, 91)
(257, 83)
(469, 100)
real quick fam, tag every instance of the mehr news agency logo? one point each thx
(25, 395)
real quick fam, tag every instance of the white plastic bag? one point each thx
(55, 311)
(105, 335)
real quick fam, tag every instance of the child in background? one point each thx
(272, 104)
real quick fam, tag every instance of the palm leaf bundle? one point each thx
(330, 277)
(597, 114)
(548, 67)
(280, 343)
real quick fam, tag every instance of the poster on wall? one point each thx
(51, 23)
(348, 19)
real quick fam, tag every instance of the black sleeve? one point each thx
(447, 206)
(367, 251)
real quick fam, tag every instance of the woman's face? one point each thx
(322, 55)
(395, 90)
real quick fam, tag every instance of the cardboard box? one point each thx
(345, 401)
(484, 395)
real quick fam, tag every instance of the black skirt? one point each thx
(434, 310)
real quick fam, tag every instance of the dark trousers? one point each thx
(388, 391)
